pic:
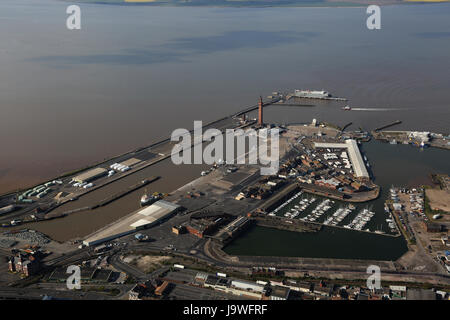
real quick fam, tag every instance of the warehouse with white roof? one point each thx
(90, 175)
(141, 219)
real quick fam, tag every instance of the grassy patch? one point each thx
(430, 212)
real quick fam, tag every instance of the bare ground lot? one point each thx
(439, 199)
(147, 263)
(295, 131)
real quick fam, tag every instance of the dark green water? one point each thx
(329, 243)
(399, 165)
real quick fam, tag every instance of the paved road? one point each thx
(44, 287)
(117, 263)
(71, 257)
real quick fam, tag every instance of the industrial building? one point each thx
(246, 289)
(203, 227)
(124, 166)
(90, 175)
(141, 219)
(279, 293)
(243, 288)
(433, 227)
(141, 291)
(130, 162)
(163, 288)
(27, 263)
(353, 151)
(205, 223)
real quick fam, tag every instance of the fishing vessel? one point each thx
(149, 199)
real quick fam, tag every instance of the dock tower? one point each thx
(260, 112)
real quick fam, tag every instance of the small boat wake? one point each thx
(374, 109)
(379, 109)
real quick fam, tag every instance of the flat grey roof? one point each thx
(91, 174)
(356, 159)
(130, 162)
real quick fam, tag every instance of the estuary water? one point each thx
(133, 74)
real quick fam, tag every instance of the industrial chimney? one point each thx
(260, 112)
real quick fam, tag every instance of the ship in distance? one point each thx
(312, 94)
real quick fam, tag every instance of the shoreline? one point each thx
(376, 135)
(89, 166)
(368, 196)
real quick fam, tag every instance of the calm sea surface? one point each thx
(135, 73)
